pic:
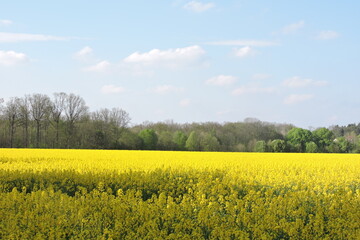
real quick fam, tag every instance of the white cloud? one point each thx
(251, 43)
(198, 6)
(5, 22)
(140, 64)
(6, 37)
(244, 52)
(10, 58)
(297, 98)
(102, 66)
(84, 53)
(252, 90)
(221, 80)
(298, 82)
(163, 89)
(168, 57)
(327, 35)
(109, 89)
(185, 102)
(293, 28)
(260, 76)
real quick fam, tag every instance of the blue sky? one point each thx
(189, 61)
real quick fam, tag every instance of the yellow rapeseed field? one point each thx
(100, 194)
(265, 168)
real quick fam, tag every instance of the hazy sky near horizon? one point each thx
(190, 61)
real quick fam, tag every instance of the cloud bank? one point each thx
(327, 35)
(221, 80)
(10, 58)
(6, 37)
(111, 89)
(5, 22)
(198, 7)
(298, 82)
(250, 43)
(293, 28)
(297, 98)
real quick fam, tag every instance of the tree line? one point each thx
(64, 121)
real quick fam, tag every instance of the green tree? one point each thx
(193, 142)
(357, 145)
(209, 142)
(299, 136)
(100, 140)
(130, 140)
(323, 138)
(149, 138)
(239, 148)
(278, 145)
(166, 141)
(311, 147)
(260, 146)
(344, 145)
(333, 148)
(293, 147)
(179, 139)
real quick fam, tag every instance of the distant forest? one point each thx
(64, 121)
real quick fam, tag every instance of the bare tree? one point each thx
(24, 118)
(101, 119)
(120, 119)
(110, 124)
(75, 109)
(104, 115)
(40, 106)
(3, 134)
(57, 109)
(11, 112)
(116, 116)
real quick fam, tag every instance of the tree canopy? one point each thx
(64, 121)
